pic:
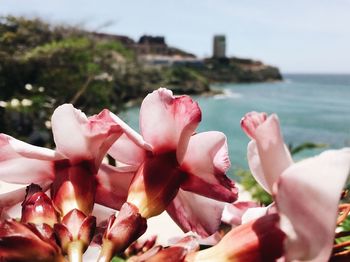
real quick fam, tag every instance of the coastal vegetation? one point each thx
(43, 66)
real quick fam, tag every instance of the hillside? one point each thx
(43, 66)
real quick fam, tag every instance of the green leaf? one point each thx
(117, 259)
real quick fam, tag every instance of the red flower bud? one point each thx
(122, 230)
(75, 227)
(37, 207)
(27, 242)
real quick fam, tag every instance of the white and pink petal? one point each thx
(25, 171)
(112, 186)
(131, 133)
(11, 147)
(167, 122)
(307, 197)
(269, 157)
(251, 121)
(23, 163)
(256, 212)
(80, 138)
(225, 190)
(12, 194)
(125, 151)
(255, 166)
(234, 212)
(206, 162)
(196, 213)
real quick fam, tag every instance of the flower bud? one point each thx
(122, 230)
(75, 227)
(37, 207)
(27, 242)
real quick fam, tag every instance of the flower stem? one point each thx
(344, 210)
(341, 245)
(107, 251)
(75, 251)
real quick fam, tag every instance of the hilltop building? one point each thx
(156, 45)
(153, 50)
(219, 46)
(152, 45)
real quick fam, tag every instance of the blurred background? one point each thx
(291, 58)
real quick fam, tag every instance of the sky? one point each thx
(299, 36)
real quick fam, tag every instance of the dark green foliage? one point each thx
(63, 65)
(238, 70)
(117, 47)
(20, 34)
(182, 79)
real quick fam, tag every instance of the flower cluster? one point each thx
(167, 167)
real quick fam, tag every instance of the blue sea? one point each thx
(311, 108)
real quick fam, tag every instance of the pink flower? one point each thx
(184, 172)
(258, 240)
(71, 169)
(306, 193)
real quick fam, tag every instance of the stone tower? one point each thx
(219, 46)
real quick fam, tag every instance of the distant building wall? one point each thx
(155, 45)
(169, 60)
(152, 45)
(219, 46)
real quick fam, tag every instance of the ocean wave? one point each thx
(228, 93)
